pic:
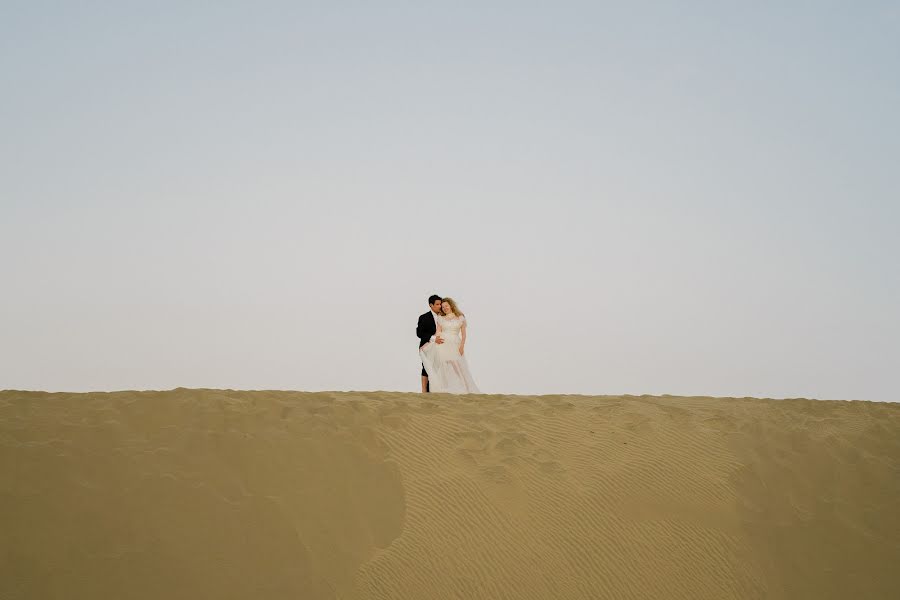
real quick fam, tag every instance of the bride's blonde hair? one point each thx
(454, 307)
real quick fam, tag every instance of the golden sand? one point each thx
(220, 494)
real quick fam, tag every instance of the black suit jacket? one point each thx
(426, 328)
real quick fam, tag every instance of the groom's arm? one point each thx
(419, 328)
(420, 331)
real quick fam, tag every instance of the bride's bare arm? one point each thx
(437, 336)
(462, 332)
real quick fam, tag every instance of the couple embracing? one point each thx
(442, 345)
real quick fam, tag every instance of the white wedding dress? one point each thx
(448, 371)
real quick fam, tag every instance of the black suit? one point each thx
(424, 330)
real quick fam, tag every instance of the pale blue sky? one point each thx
(642, 197)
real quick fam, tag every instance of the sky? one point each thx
(686, 198)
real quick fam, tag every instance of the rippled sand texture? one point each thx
(227, 494)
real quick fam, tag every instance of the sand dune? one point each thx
(220, 494)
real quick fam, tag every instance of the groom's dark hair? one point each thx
(434, 298)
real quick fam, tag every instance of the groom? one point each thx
(426, 329)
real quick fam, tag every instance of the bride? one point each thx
(448, 370)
